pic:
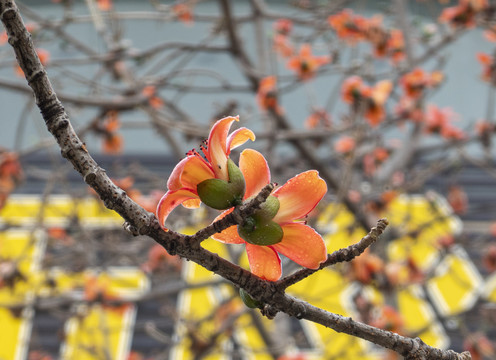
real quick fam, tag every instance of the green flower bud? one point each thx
(236, 179)
(248, 300)
(267, 210)
(220, 194)
(259, 233)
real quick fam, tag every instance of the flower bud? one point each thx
(259, 233)
(248, 300)
(220, 194)
(267, 210)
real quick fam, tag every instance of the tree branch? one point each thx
(143, 222)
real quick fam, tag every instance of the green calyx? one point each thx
(220, 194)
(248, 300)
(259, 229)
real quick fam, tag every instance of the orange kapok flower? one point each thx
(489, 257)
(112, 141)
(351, 89)
(490, 33)
(11, 175)
(104, 5)
(345, 144)
(458, 199)
(267, 94)
(318, 117)
(282, 45)
(305, 64)
(96, 289)
(188, 183)
(377, 35)
(463, 14)
(348, 26)
(374, 159)
(438, 121)
(479, 346)
(414, 83)
(158, 257)
(183, 12)
(367, 267)
(396, 45)
(283, 210)
(489, 67)
(283, 26)
(389, 319)
(376, 96)
(150, 92)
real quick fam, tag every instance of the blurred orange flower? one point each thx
(463, 14)
(305, 64)
(267, 94)
(345, 144)
(388, 318)
(415, 82)
(112, 142)
(367, 267)
(11, 175)
(183, 11)
(368, 99)
(489, 257)
(489, 68)
(438, 121)
(282, 45)
(158, 258)
(97, 290)
(348, 26)
(479, 346)
(458, 199)
(150, 92)
(318, 117)
(104, 5)
(283, 26)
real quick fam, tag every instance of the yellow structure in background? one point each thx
(23, 251)
(206, 309)
(96, 331)
(25, 210)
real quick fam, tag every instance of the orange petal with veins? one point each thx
(229, 235)
(299, 195)
(217, 146)
(189, 172)
(238, 138)
(255, 170)
(171, 200)
(264, 262)
(303, 245)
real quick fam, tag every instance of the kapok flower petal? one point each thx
(238, 138)
(299, 195)
(189, 172)
(192, 203)
(255, 170)
(229, 235)
(305, 50)
(264, 262)
(303, 245)
(217, 147)
(171, 200)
